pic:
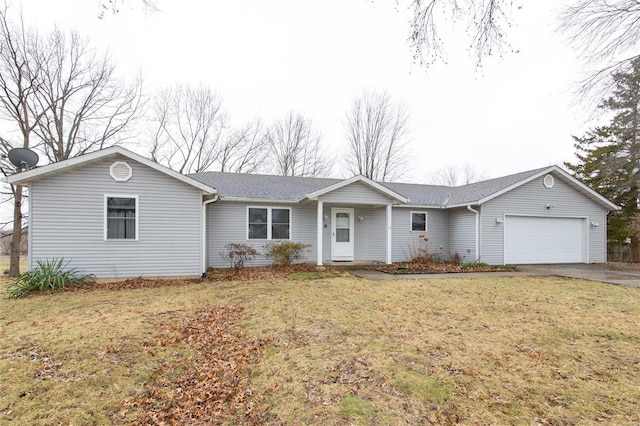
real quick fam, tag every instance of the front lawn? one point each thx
(338, 350)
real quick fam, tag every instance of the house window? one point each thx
(269, 223)
(419, 221)
(121, 217)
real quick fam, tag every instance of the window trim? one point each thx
(106, 219)
(426, 220)
(269, 223)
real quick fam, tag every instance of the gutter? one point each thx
(203, 263)
(477, 231)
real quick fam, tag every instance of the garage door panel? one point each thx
(543, 240)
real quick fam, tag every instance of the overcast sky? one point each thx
(268, 57)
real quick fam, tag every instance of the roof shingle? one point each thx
(287, 188)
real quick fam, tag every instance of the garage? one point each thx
(529, 239)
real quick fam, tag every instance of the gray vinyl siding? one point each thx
(531, 199)
(355, 193)
(405, 240)
(370, 236)
(67, 220)
(227, 223)
(462, 233)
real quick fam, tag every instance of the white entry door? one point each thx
(342, 234)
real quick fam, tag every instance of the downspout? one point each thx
(203, 263)
(29, 233)
(477, 231)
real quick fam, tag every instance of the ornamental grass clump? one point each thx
(49, 275)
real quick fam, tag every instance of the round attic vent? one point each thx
(120, 171)
(548, 181)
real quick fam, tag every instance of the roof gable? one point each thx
(362, 179)
(82, 160)
(481, 192)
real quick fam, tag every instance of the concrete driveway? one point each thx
(598, 272)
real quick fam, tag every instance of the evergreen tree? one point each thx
(608, 156)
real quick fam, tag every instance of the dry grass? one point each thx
(496, 350)
(4, 266)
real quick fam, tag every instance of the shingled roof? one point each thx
(262, 187)
(293, 189)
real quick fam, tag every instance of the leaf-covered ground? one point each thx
(208, 383)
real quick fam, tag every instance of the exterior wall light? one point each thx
(595, 224)
(499, 220)
(360, 219)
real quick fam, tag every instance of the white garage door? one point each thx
(543, 240)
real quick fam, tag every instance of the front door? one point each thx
(341, 234)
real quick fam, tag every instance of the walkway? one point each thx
(598, 272)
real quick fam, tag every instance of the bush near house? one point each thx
(49, 275)
(236, 254)
(285, 252)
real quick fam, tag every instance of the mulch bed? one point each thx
(435, 268)
(262, 273)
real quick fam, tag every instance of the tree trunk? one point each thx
(16, 236)
(634, 249)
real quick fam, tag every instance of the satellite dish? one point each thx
(23, 158)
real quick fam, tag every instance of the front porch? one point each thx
(354, 221)
(352, 233)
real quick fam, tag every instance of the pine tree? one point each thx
(608, 156)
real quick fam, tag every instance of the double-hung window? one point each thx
(419, 221)
(268, 223)
(121, 217)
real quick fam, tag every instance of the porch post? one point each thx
(320, 219)
(389, 225)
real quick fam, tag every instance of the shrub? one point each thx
(455, 258)
(238, 253)
(420, 254)
(285, 252)
(474, 265)
(48, 275)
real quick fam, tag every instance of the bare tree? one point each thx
(295, 148)
(188, 125)
(20, 79)
(456, 176)
(55, 96)
(487, 22)
(114, 6)
(244, 149)
(376, 132)
(86, 106)
(607, 35)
